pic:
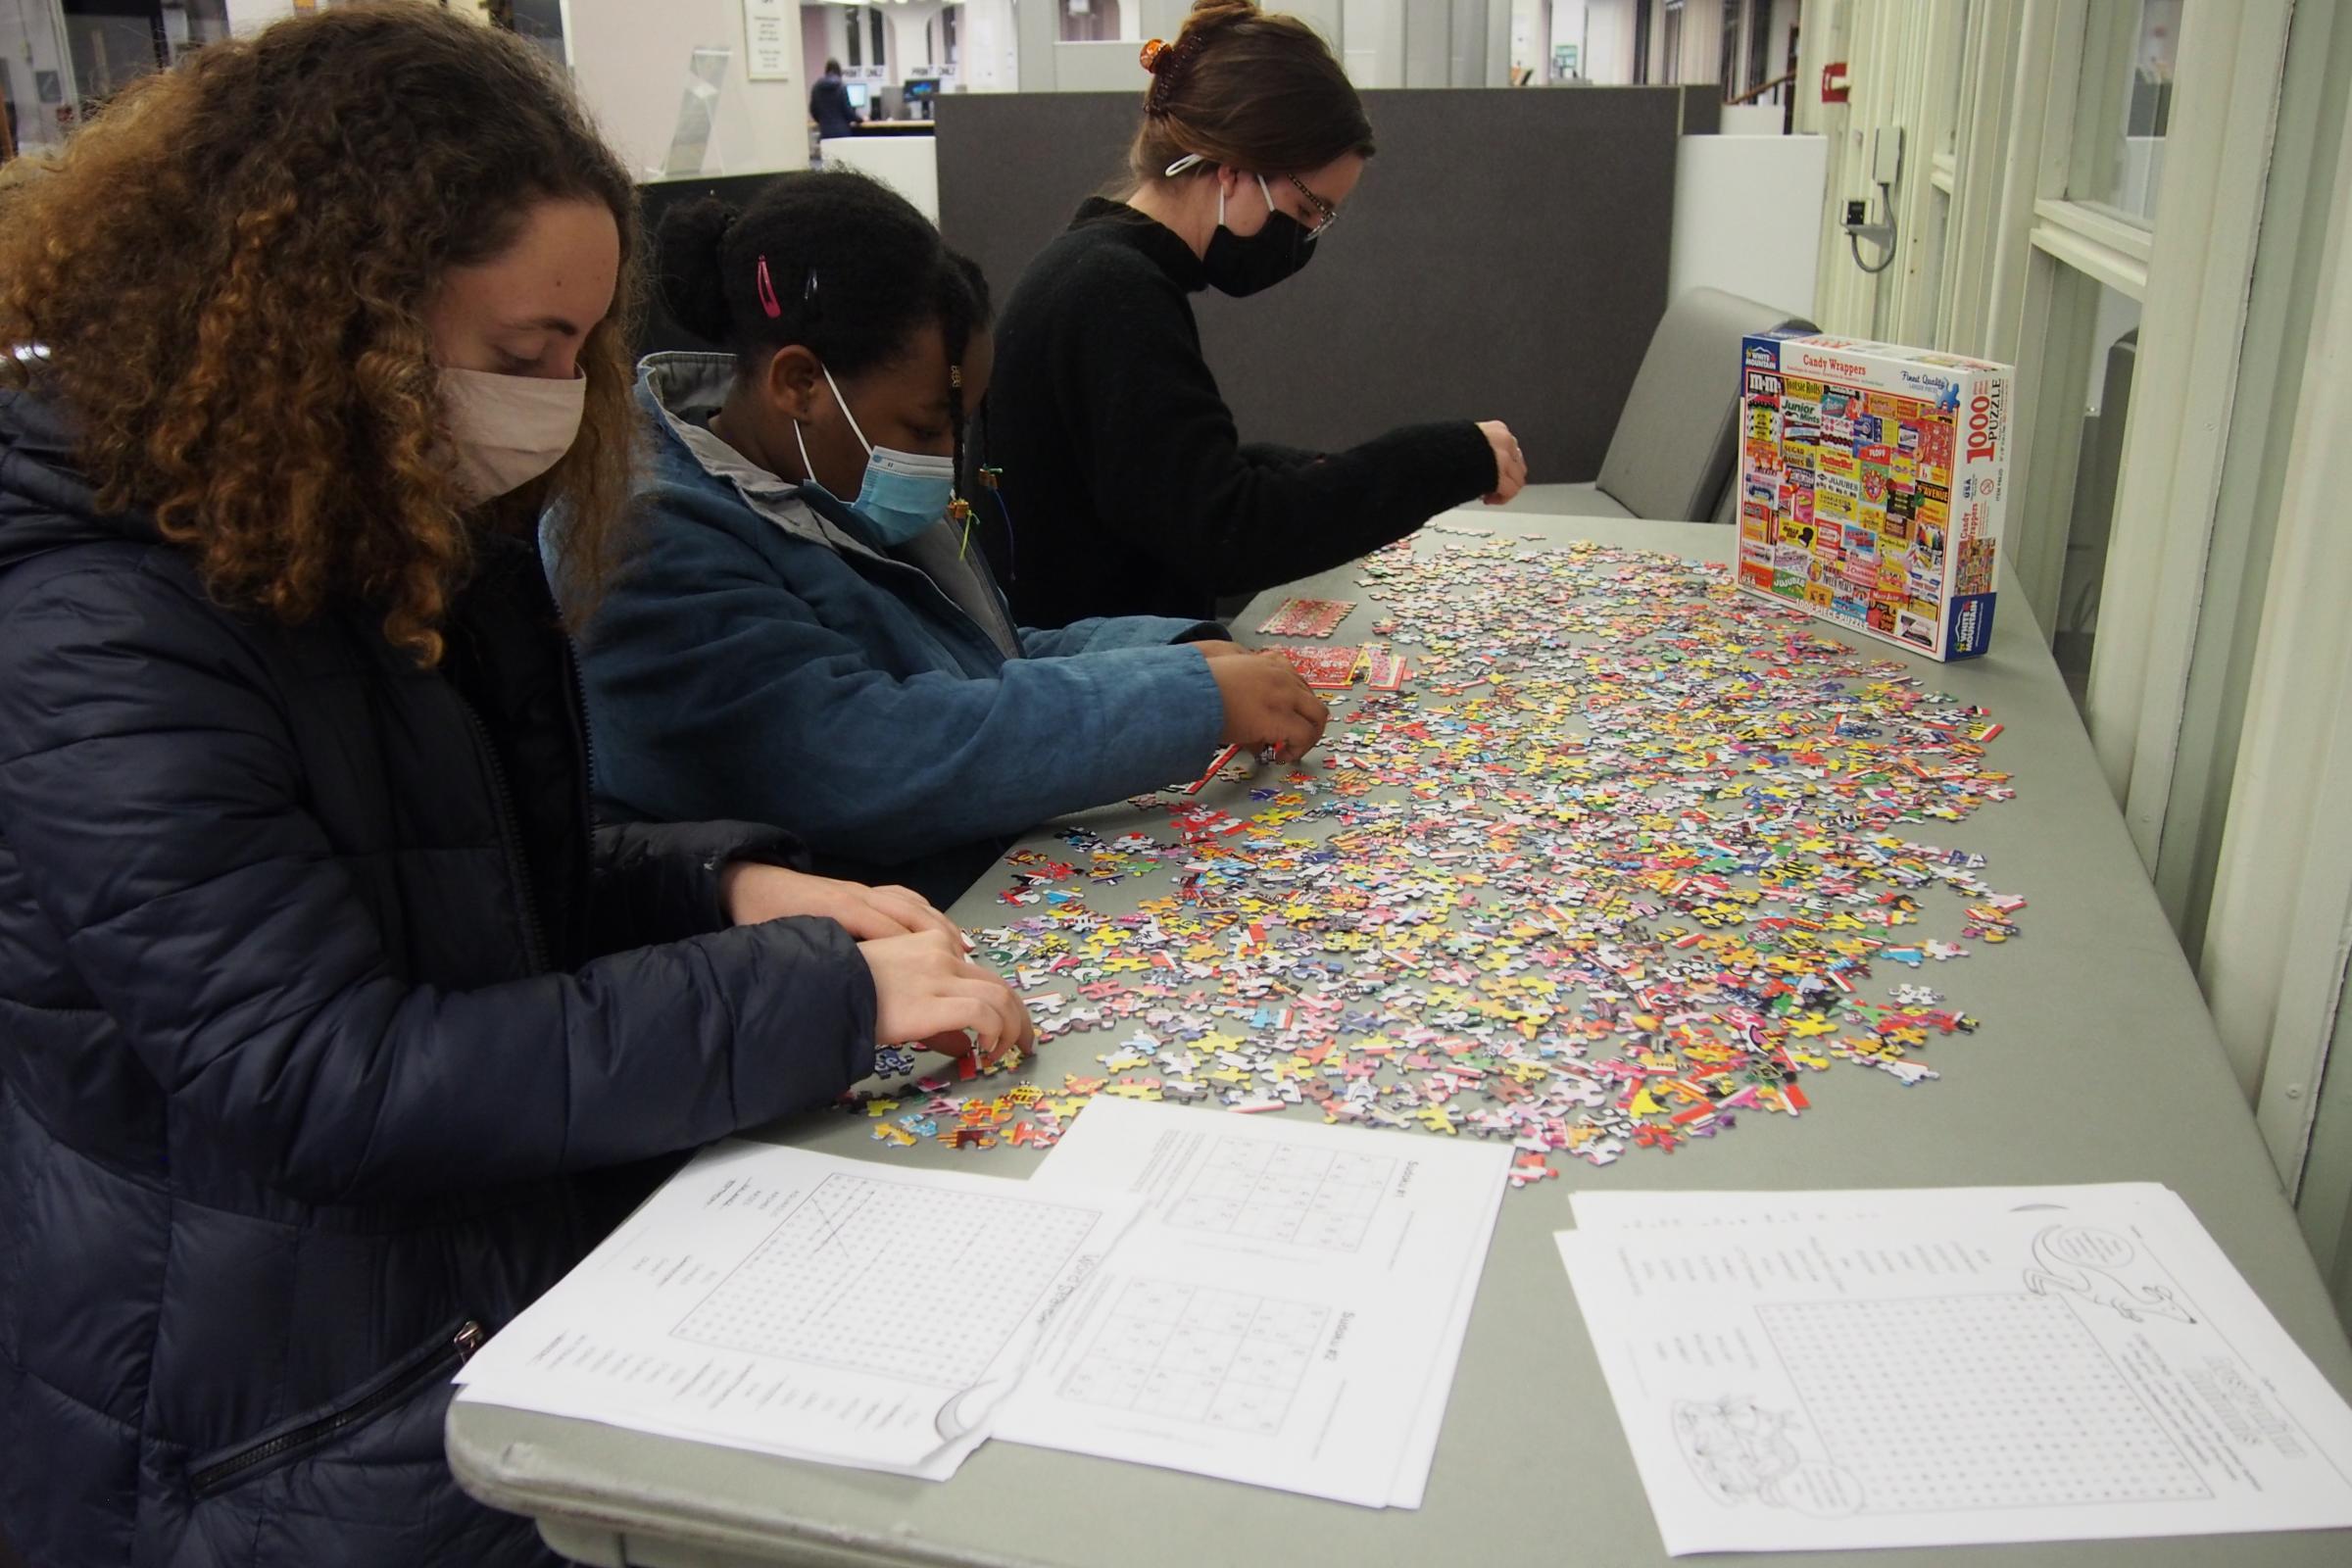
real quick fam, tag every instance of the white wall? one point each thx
(832, 24)
(908, 53)
(1097, 68)
(1567, 26)
(1784, 21)
(1382, 44)
(1746, 213)
(1530, 40)
(1326, 17)
(1702, 46)
(629, 60)
(820, 39)
(1607, 28)
(1761, 119)
(1372, 43)
(907, 165)
(1428, 45)
(992, 50)
(251, 16)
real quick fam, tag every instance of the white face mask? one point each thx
(506, 430)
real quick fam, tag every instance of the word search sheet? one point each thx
(799, 1303)
(1287, 1311)
(1811, 1371)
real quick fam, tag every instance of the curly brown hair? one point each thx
(230, 268)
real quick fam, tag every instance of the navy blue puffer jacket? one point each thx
(328, 1040)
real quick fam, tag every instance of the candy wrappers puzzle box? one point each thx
(1873, 480)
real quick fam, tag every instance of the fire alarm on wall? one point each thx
(1834, 82)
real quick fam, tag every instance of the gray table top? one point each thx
(2096, 1061)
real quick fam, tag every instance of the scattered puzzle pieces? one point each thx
(1614, 877)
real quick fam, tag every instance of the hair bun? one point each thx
(690, 273)
(1169, 61)
(1210, 15)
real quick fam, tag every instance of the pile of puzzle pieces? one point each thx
(1623, 869)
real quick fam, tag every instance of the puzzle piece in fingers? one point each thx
(1216, 765)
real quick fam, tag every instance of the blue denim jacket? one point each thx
(756, 658)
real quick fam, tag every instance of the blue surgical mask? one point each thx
(903, 493)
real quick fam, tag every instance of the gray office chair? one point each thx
(1671, 457)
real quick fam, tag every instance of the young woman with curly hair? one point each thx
(331, 1030)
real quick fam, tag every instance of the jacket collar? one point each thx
(683, 390)
(46, 501)
(1155, 239)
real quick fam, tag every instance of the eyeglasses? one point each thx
(1324, 211)
(1329, 214)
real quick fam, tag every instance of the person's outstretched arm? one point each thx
(717, 692)
(1169, 475)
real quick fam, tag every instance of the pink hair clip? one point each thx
(767, 292)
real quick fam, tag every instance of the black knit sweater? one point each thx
(1127, 488)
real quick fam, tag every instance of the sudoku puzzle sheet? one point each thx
(1224, 1358)
(1283, 1193)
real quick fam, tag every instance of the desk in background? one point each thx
(2096, 1061)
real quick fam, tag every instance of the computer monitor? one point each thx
(925, 87)
(858, 93)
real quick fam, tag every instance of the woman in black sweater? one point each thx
(1124, 486)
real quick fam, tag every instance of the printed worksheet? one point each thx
(809, 1305)
(1288, 1310)
(1916, 1369)
(1623, 1209)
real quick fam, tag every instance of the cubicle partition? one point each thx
(1703, 110)
(1504, 258)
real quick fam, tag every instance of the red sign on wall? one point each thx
(1834, 82)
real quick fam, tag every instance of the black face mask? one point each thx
(1238, 266)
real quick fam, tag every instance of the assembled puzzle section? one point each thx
(1873, 481)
